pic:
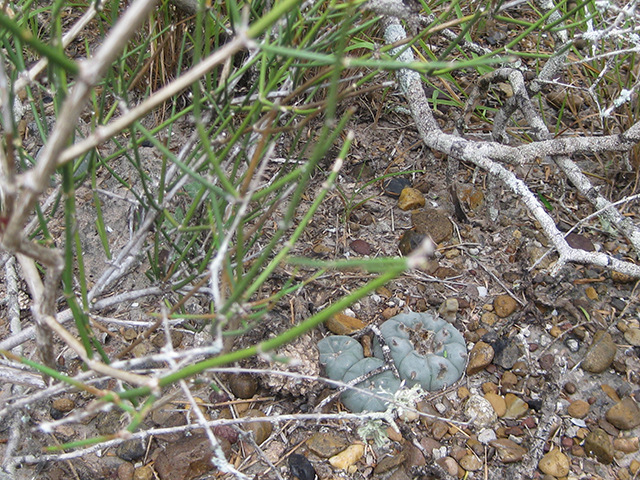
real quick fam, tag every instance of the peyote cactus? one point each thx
(427, 351)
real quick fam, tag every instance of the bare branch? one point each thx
(487, 154)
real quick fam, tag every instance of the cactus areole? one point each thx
(427, 351)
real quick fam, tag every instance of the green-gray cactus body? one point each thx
(427, 351)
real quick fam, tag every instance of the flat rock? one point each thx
(497, 402)
(326, 444)
(508, 450)
(479, 357)
(389, 463)
(554, 463)
(624, 415)
(342, 324)
(434, 223)
(504, 305)
(600, 354)
(576, 240)
(516, 407)
(598, 444)
(188, 458)
(626, 444)
(611, 392)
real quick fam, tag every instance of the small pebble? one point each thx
(480, 411)
(342, 324)
(572, 344)
(555, 331)
(632, 336)
(591, 293)
(600, 354)
(439, 429)
(626, 444)
(486, 435)
(410, 199)
(347, 457)
(125, 471)
(555, 463)
(508, 381)
(260, 430)
(389, 462)
(227, 432)
(508, 450)
(598, 444)
(489, 318)
(470, 463)
(575, 240)
(131, 450)
(570, 388)
(393, 186)
(448, 309)
(452, 253)
(516, 407)
(243, 385)
(479, 357)
(624, 415)
(610, 391)
(498, 403)
(409, 241)
(578, 409)
(361, 247)
(520, 369)
(577, 451)
(449, 465)
(63, 404)
(301, 467)
(463, 392)
(504, 305)
(618, 304)
(326, 444)
(489, 387)
(547, 361)
(143, 473)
